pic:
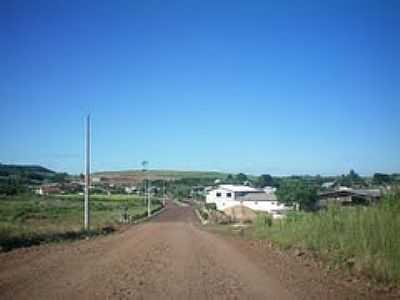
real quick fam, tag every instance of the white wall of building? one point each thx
(225, 198)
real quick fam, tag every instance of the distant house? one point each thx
(348, 196)
(227, 195)
(49, 189)
(329, 185)
(95, 179)
(130, 189)
(269, 189)
(72, 187)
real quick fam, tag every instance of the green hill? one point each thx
(163, 174)
(24, 170)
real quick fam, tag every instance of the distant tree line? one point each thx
(385, 179)
(15, 179)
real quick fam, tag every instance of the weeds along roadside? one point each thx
(366, 239)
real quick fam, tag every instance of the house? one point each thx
(329, 185)
(269, 189)
(348, 196)
(227, 195)
(130, 189)
(49, 189)
(95, 179)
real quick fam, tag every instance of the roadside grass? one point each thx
(364, 239)
(29, 219)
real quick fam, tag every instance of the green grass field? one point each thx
(30, 219)
(365, 239)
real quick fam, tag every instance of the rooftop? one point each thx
(239, 188)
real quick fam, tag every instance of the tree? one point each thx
(229, 179)
(264, 180)
(60, 177)
(296, 191)
(12, 187)
(181, 192)
(380, 178)
(240, 178)
(351, 179)
(353, 175)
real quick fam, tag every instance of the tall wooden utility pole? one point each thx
(164, 194)
(148, 196)
(145, 163)
(87, 175)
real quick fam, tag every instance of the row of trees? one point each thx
(260, 181)
(298, 192)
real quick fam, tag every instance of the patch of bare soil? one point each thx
(169, 257)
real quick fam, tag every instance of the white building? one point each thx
(228, 195)
(130, 189)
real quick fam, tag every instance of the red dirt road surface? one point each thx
(169, 257)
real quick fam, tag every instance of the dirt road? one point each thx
(170, 257)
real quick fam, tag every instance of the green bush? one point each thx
(212, 206)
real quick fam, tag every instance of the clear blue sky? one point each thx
(279, 87)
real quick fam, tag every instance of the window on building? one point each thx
(228, 195)
(218, 194)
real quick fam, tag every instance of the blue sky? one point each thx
(279, 87)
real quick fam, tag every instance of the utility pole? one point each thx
(87, 175)
(164, 193)
(148, 196)
(147, 187)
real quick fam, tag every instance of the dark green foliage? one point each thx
(241, 178)
(264, 180)
(351, 179)
(212, 206)
(14, 179)
(229, 179)
(297, 191)
(23, 170)
(380, 178)
(12, 186)
(60, 177)
(181, 191)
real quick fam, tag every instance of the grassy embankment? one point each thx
(365, 239)
(28, 219)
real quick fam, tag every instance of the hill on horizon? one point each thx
(139, 175)
(12, 169)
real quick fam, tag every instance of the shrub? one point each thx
(212, 206)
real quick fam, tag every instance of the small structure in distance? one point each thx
(228, 195)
